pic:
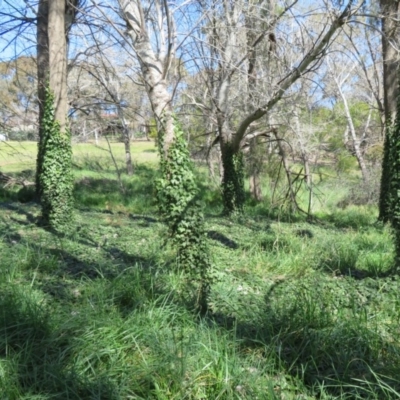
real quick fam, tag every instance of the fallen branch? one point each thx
(10, 181)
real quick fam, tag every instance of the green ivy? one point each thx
(390, 181)
(182, 212)
(233, 180)
(55, 179)
(385, 200)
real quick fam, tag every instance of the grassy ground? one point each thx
(19, 156)
(299, 310)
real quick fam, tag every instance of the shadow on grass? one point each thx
(320, 334)
(39, 355)
(20, 210)
(91, 260)
(224, 240)
(138, 190)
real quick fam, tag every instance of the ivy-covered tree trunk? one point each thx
(54, 19)
(393, 186)
(390, 10)
(384, 195)
(233, 179)
(177, 193)
(42, 37)
(56, 180)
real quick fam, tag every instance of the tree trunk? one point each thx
(154, 68)
(43, 76)
(233, 180)
(128, 157)
(127, 141)
(390, 42)
(356, 142)
(58, 60)
(54, 177)
(303, 151)
(393, 197)
(255, 164)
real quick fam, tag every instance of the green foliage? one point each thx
(177, 198)
(389, 206)
(56, 180)
(153, 134)
(233, 180)
(384, 197)
(394, 183)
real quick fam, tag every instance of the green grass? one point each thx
(19, 156)
(299, 310)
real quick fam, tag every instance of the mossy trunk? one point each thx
(384, 195)
(233, 179)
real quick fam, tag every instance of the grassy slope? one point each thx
(300, 311)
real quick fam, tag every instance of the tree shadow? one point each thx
(41, 354)
(307, 339)
(62, 267)
(97, 191)
(20, 210)
(224, 240)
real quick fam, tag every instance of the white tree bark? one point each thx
(155, 64)
(340, 80)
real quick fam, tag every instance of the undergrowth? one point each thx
(298, 310)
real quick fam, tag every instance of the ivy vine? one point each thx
(182, 212)
(55, 179)
(233, 180)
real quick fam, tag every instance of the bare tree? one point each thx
(235, 57)
(340, 71)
